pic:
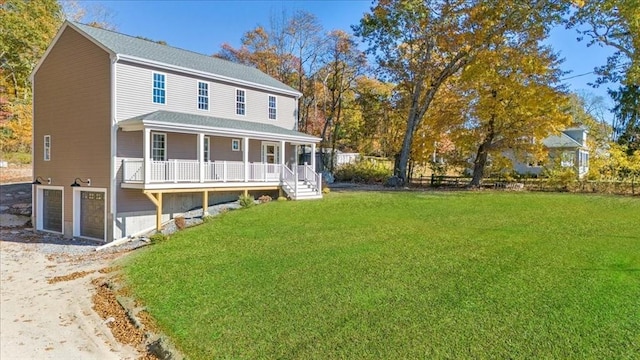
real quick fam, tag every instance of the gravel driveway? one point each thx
(46, 308)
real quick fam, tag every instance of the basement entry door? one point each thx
(52, 210)
(92, 214)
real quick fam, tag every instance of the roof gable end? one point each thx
(66, 25)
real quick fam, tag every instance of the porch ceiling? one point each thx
(191, 123)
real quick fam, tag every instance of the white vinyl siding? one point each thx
(134, 88)
(47, 147)
(273, 111)
(203, 95)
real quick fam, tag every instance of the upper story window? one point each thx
(240, 102)
(158, 146)
(272, 107)
(159, 88)
(203, 95)
(47, 147)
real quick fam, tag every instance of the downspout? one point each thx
(34, 188)
(114, 138)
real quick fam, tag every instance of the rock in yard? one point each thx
(21, 209)
(10, 220)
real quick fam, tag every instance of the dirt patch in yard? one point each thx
(55, 304)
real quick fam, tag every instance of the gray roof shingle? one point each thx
(560, 141)
(176, 118)
(132, 46)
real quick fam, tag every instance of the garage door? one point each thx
(52, 210)
(92, 214)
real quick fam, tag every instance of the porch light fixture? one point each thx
(75, 182)
(39, 180)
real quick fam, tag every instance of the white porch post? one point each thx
(245, 157)
(313, 156)
(146, 143)
(282, 162)
(201, 156)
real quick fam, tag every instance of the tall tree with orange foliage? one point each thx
(420, 44)
(514, 101)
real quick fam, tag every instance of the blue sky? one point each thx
(203, 26)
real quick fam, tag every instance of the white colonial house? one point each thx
(567, 148)
(129, 133)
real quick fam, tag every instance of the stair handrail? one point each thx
(289, 179)
(311, 177)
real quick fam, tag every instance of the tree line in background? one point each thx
(459, 80)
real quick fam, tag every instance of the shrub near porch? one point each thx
(403, 275)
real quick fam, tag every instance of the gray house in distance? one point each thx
(128, 133)
(568, 149)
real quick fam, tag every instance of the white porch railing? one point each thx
(132, 170)
(175, 171)
(290, 180)
(306, 174)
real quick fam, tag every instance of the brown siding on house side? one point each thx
(72, 104)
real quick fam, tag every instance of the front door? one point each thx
(271, 157)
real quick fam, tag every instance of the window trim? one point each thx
(153, 133)
(244, 102)
(206, 97)
(236, 145)
(206, 149)
(77, 201)
(275, 107)
(153, 87)
(40, 207)
(47, 148)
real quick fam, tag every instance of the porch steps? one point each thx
(305, 192)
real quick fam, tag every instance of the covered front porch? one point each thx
(166, 152)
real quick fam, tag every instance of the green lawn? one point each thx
(392, 275)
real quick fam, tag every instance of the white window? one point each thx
(207, 151)
(203, 95)
(584, 158)
(47, 147)
(567, 159)
(158, 147)
(240, 102)
(235, 144)
(159, 88)
(272, 107)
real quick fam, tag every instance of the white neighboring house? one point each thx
(569, 147)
